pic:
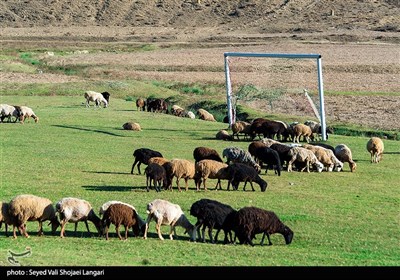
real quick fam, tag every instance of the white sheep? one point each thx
(96, 97)
(181, 168)
(375, 147)
(164, 212)
(27, 207)
(208, 168)
(75, 210)
(28, 113)
(205, 115)
(343, 153)
(306, 156)
(191, 115)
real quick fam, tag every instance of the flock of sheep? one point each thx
(245, 222)
(241, 166)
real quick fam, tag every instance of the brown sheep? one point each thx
(131, 126)
(205, 115)
(201, 153)
(250, 221)
(120, 214)
(208, 168)
(343, 153)
(375, 147)
(302, 130)
(241, 127)
(223, 135)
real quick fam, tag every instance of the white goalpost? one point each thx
(317, 57)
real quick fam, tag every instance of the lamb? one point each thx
(131, 126)
(302, 130)
(208, 168)
(96, 97)
(326, 157)
(343, 153)
(140, 104)
(201, 153)
(155, 173)
(142, 155)
(241, 127)
(205, 115)
(375, 147)
(164, 212)
(75, 210)
(121, 214)
(180, 168)
(214, 215)
(250, 221)
(236, 154)
(141, 222)
(27, 207)
(223, 135)
(240, 172)
(301, 154)
(28, 113)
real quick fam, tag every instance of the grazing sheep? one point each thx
(253, 146)
(176, 110)
(343, 153)
(140, 104)
(208, 168)
(155, 173)
(326, 146)
(75, 210)
(164, 212)
(5, 217)
(240, 172)
(131, 126)
(191, 115)
(283, 152)
(157, 105)
(223, 135)
(241, 127)
(214, 215)
(271, 129)
(235, 154)
(306, 156)
(250, 221)
(375, 147)
(180, 168)
(326, 157)
(270, 157)
(96, 97)
(8, 111)
(302, 130)
(142, 155)
(158, 160)
(201, 153)
(27, 207)
(205, 115)
(256, 127)
(120, 214)
(106, 96)
(107, 204)
(28, 113)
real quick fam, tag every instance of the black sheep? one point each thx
(143, 155)
(201, 153)
(250, 221)
(106, 96)
(240, 172)
(214, 215)
(121, 214)
(156, 173)
(283, 152)
(270, 157)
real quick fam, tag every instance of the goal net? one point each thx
(276, 84)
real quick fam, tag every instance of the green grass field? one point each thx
(338, 219)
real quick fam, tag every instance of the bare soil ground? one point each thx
(359, 43)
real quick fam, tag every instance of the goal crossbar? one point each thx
(317, 57)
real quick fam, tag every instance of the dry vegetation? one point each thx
(358, 40)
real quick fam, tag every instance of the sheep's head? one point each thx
(54, 225)
(192, 233)
(338, 166)
(319, 166)
(288, 235)
(263, 185)
(353, 166)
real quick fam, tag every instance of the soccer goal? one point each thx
(267, 79)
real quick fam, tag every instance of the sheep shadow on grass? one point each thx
(88, 129)
(109, 172)
(109, 188)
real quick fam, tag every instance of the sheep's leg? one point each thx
(158, 229)
(177, 184)
(172, 232)
(252, 187)
(62, 234)
(216, 236)
(87, 227)
(146, 227)
(248, 239)
(40, 231)
(186, 183)
(133, 165)
(126, 232)
(269, 239)
(204, 184)
(106, 230)
(138, 167)
(210, 234)
(117, 231)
